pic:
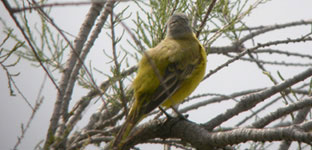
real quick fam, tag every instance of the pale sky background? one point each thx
(237, 77)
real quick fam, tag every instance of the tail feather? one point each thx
(122, 135)
(133, 118)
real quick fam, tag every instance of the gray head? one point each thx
(178, 26)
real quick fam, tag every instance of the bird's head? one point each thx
(178, 26)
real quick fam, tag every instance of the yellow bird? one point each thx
(167, 74)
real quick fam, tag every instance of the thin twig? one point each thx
(25, 129)
(62, 4)
(249, 50)
(275, 51)
(218, 99)
(203, 23)
(270, 28)
(12, 81)
(278, 63)
(117, 64)
(8, 7)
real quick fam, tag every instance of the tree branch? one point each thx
(300, 117)
(273, 27)
(252, 100)
(79, 41)
(217, 100)
(190, 132)
(281, 112)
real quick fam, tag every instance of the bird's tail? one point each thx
(133, 118)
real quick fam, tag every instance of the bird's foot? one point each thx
(180, 115)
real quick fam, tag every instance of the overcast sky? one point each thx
(14, 111)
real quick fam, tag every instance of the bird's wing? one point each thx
(172, 79)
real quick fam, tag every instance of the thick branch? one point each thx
(300, 117)
(79, 41)
(282, 112)
(252, 100)
(190, 132)
(99, 25)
